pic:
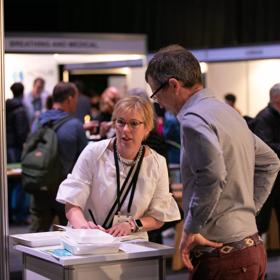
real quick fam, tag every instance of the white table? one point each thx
(141, 260)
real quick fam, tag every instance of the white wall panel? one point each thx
(26, 67)
(263, 74)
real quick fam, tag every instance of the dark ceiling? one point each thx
(194, 24)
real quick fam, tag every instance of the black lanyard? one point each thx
(124, 190)
(133, 180)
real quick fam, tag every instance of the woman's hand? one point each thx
(88, 225)
(120, 229)
(77, 219)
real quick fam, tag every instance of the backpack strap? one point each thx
(56, 124)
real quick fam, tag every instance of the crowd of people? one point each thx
(119, 183)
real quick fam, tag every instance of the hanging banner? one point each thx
(75, 43)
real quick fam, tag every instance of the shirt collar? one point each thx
(194, 99)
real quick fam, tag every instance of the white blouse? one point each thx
(92, 185)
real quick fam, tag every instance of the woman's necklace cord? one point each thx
(129, 162)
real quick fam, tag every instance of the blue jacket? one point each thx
(71, 137)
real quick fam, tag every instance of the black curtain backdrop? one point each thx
(193, 24)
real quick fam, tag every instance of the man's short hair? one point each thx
(39, 79)
(174, 61)
(62, 91)
(230, 97)
(17, 89)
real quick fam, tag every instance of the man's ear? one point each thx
(174, 83)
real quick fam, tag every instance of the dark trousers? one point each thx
(18, 202)
(246, 264)
(18, 199)
(264, 217)
(44, 208)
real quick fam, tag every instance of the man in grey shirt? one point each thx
(227, 172)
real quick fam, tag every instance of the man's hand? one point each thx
(191, 240)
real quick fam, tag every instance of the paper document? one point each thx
(128, 247)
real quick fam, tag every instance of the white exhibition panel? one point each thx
(225, 77)
(26, 67)
(250, 81)
(263, 75)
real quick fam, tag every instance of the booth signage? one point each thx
(76, 44)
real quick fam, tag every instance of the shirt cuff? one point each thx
(192, 227)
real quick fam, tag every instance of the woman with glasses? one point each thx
(120, 185)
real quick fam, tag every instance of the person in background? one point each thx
(230, 99)
(17, 129)
(171, 133)
(95, 193)
(35, 100)
(83, 104)
(17, 124)
(267, 127)
(227, 172)
(109, 97)
(95, 101)
(71, 141)
(49, 103)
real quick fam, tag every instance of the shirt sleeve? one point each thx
(267, 166)
(75, 189)
(163, 206)
(208, 167)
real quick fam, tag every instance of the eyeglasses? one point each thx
(153, 96)
(133, 124)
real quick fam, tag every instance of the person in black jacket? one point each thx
(267, 127)
(17, 129)
(17, 125)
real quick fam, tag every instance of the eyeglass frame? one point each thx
(161, 87)
(127, 123)
(158, 89)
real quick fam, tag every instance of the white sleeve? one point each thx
(163, 207)
(75, 189)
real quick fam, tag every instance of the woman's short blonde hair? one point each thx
(140, 104)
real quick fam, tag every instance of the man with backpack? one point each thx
(48, 157)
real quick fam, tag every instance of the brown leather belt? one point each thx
(227, 248)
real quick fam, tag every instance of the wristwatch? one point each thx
(138, 224)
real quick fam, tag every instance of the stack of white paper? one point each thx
(89, 241)
(39, 239)
(89, 236)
